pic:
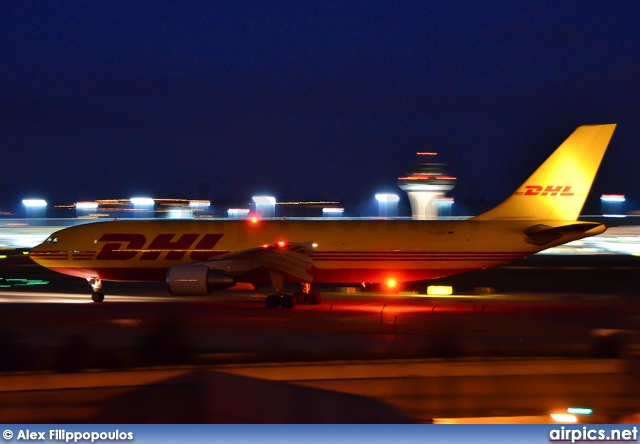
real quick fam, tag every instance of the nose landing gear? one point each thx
(96, 284)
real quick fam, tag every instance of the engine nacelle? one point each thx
(196, 280)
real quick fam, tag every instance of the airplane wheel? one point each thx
(288, 301)
(272, 301)
(313, 298)
(299, 297)
(97, 296)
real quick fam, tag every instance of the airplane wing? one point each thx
(287, 258)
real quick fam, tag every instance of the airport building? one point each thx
(426, 187)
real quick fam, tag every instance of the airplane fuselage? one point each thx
(345, 251)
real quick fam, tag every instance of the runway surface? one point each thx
(536, 303)
(353, 324)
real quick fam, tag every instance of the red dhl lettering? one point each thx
(125, 246)
(163, 242)
(111, 250)
(566, 192)
(549, 190)
(532, 190)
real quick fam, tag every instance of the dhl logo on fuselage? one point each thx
(549, 190)
(124, 246)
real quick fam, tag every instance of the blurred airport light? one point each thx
(85, 209)
(264, 200)
(612, 204)
(142, 201)
(142, 206)
(563, 417)
(238, 213)
(179, 213)
(265, 206)
(86, 205)
(387, 205)
(389, 198)
(579, 411)
(200, 203)
(439, 290)
(443, 205)
(612, 198)
(34, 203)
(332, 212)
(35, 207)
(199, 207)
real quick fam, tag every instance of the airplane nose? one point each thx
(35, 249)
(33, 254)
(36, 253)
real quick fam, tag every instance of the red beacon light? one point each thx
(281, 244)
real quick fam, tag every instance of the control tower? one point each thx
(426, 185)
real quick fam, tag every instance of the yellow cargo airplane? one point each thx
(197, 257)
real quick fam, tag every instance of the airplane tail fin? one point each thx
(558, 188)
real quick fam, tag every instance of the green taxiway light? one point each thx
(579, 411)
(27, 282)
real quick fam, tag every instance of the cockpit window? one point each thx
(52, 240)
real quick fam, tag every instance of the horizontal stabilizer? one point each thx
(544, 234)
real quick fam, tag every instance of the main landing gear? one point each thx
(280, 299)
(96, 284)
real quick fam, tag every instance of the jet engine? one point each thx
(196, 280)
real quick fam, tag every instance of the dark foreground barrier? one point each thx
(192, 397)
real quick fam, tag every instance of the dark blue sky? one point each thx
(307, 99)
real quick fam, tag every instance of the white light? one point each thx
(563, 417)
(34, 203)
(200, 203)
(333, 210)
(264, 200)
(439, 290)
(86, 205)
(579, 411)
(443, 201)
(389, 198)
(236, 211)
(142, 201)
(178, 213)
(314, 245)
(612, 198)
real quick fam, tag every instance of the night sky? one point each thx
(307, 100)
